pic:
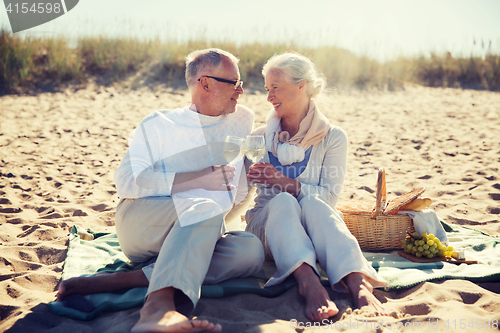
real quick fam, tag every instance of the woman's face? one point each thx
(283, 95)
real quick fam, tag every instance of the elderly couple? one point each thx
(177, 190)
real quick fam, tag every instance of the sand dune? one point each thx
(59, 151)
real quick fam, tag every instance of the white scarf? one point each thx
(312, 129)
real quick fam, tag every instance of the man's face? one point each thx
(225, 97)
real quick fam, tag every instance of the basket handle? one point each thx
(381, 194)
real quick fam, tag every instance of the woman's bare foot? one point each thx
(362, 293)
(318, 303)
(159, 315)
(101, 283)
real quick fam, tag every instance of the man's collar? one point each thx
(192, 107)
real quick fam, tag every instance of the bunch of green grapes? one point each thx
(426, 246)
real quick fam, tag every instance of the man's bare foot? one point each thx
(362, 293)
(159, 315)
(172, 321)
(319, 306)
(78, 285)
(101, 283)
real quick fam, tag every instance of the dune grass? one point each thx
(34, 62)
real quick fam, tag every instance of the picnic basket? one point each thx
(375, 224)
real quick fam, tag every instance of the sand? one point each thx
(59, 151)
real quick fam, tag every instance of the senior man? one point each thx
(176, 188)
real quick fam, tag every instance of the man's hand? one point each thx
(210, 179)
(218, 178)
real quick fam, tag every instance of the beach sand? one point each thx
(59, 152)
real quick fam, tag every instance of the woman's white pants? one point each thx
(295, 232)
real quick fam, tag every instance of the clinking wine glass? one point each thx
(255, 150)
(233, 145)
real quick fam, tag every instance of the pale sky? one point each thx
(377, 28)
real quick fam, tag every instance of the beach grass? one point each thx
(33, 62)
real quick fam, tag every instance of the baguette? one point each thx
(417, 204)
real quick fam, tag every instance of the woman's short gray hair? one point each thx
(297, 68)
(198, 61)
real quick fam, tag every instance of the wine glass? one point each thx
(233, 145)
(255, 147)
(255, 150)
(231, 152)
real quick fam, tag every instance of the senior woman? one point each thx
(295, 215)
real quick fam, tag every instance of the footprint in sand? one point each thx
(367, 189)
(417, 309)
(495, 196)
(46, 209)
(54, 215)
(16, 220)
(17, 187)
(79, 212)
(101, 207)
(493, 210)
(469, 298)
(27, 230)
(10, 210)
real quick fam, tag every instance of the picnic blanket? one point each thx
(103, 254)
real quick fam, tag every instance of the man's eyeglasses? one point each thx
(237, 84)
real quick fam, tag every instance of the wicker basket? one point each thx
(375, 224)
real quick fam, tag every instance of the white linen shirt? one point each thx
(177, 140)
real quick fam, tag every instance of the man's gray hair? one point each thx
(200, 60)
(297, 68)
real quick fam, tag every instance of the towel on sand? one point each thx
(103, 254)
(428, 221)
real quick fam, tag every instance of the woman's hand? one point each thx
(266, 173)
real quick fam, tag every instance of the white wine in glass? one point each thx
(255, 150)
(232, 147)
(255, 155)
(255, 147)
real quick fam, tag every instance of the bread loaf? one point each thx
(85, 235)
(417, 204)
